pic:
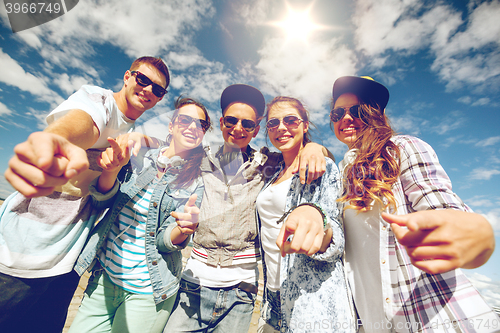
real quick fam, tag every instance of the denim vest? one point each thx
(164, 259)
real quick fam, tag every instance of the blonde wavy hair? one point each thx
(376, 167)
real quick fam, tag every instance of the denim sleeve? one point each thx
(325, 195)
(164, 241)
(103, 200)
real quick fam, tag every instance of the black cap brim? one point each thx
(366, 89)
(242, 93)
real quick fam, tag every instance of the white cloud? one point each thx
(489, 289)
(160, 28)
(492, 215)
(489, 141)
(4, 110)
(70, 84)
(13, 74)
(306, 71)
(483, 173)
(466, 52)
(481, 101)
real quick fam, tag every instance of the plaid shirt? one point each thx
(415, 301)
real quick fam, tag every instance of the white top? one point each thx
(43, 236)
(100, 104)
(271, 204)
(363, 256)
(210, 276)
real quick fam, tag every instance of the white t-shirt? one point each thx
(42, 237)
(271, 204)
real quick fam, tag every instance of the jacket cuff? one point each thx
(167, 246)
(98, 196)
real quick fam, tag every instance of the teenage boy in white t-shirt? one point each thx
(45, 224)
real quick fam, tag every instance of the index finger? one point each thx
(115, 146)
(191, 201)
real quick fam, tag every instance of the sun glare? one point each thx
(297, 24)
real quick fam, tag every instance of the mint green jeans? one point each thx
(109, 308)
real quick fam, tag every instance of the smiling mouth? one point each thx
(349, 129)
(237, 137)
(283, 138)
(143, 98)
(190, 136)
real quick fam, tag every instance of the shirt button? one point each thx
(154, 263)
(387, 300)
(152, 234)
(383, 261)
(155, 204)
(383, 228)
(164, 182)
(163, 296)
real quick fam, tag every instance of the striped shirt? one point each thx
(124, 257)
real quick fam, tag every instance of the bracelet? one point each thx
(326, 225)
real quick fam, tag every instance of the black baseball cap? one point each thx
(364, 87)
(246, 94)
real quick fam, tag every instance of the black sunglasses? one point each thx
(145, 81)
(247, 124)
(288, 121)
(184, 120)
(339, 113)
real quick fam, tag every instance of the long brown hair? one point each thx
(191, 170)
(376, 167)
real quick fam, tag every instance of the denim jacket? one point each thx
(164, 259)
(313, 295)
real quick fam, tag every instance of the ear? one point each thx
(306, 126)
(170, 127)
(257, 128)
(127, 76)
(221, 122)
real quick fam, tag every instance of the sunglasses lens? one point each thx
(337, 114)
(248, 125)
(291, 121)
(144, 81)
(185, 120)
(354, 111)
(272, 123)
(230, 121)
(158, 91)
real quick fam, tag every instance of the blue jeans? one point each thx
(270, 312)
(201, 309)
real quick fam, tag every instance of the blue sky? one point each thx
(439, 59)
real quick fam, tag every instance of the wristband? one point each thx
(326, 225)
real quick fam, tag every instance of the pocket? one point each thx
(245, 296)
(189, 287)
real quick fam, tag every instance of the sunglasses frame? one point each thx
(200, 123)
(243, 121)
(145, 81)
(287, 123)
(355, 114)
